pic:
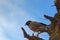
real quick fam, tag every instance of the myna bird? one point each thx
(36, 26)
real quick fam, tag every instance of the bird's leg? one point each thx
(38, 34)
(32, 34)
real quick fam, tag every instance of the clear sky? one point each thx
(14, 14)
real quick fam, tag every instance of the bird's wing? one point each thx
(43, 24)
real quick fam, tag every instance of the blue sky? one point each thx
(14, 14)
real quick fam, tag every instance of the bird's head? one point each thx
(28, 22)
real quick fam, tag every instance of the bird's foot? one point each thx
(38, 34)
(33, 34)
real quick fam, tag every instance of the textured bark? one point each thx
(57, 4)
(56, 33)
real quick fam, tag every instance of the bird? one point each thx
(36, 26)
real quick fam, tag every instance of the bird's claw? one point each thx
(38, 34)
(33, 34)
